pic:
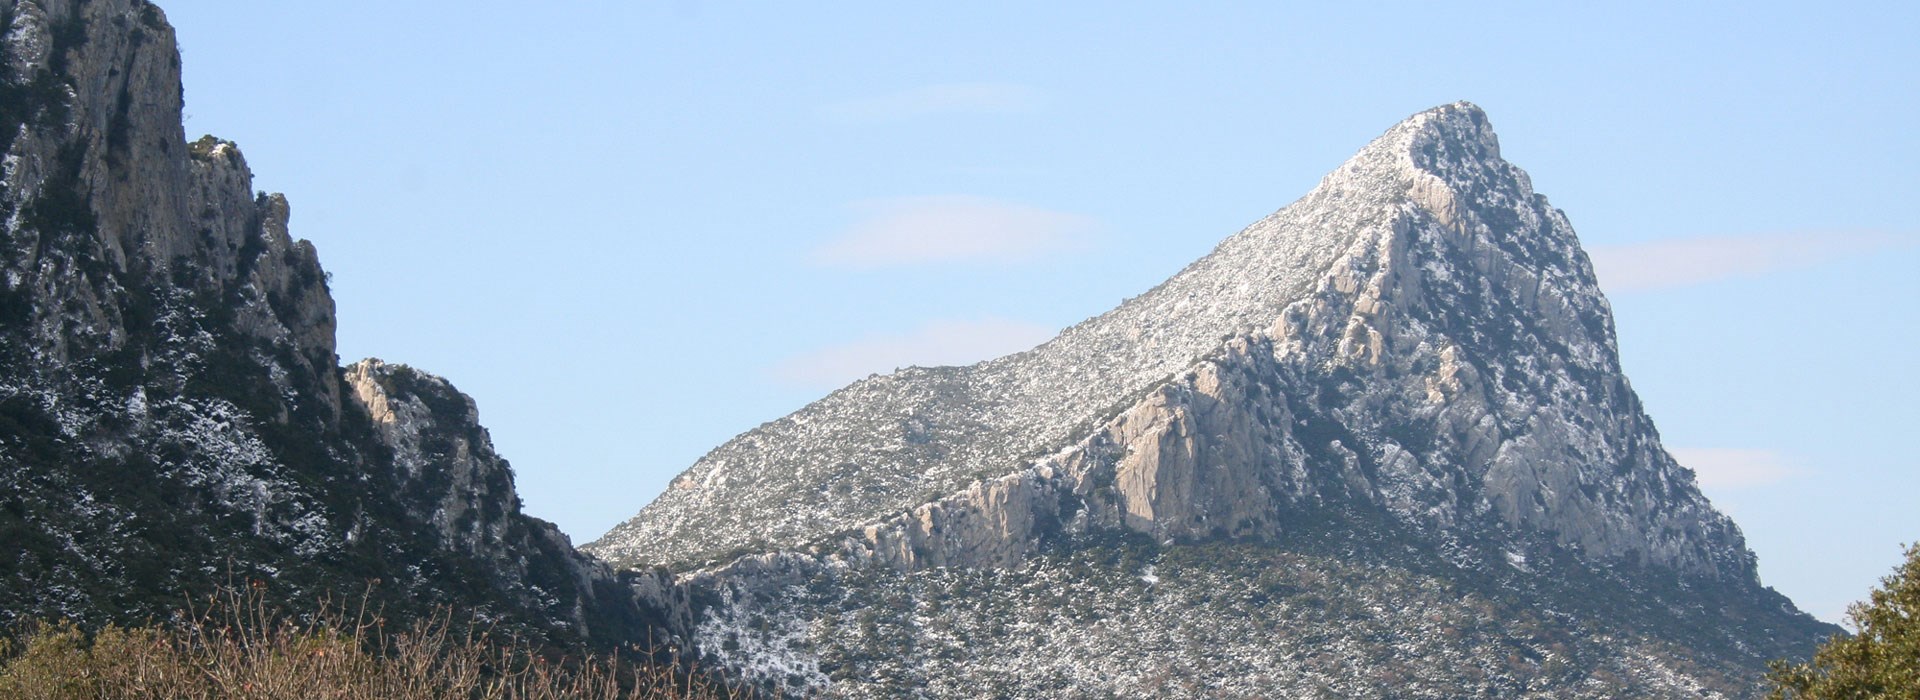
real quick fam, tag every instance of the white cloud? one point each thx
(1687, 261)
(945, 342)
(910, 230)
(1723, 467)
(948, 98)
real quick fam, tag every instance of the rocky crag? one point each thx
(1417, 350)
(172, 413)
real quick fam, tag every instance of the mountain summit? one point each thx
(1442, 348)
(1376, 444)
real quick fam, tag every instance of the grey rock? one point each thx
(1423, 303)
(174, 414)
(1416, 347)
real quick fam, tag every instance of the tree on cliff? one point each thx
(1881, 660)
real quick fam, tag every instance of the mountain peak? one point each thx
(1461, 120)
(1418, 347)
(1461, 125)
(1426, 158)
(1440, 346)
(1436, 141)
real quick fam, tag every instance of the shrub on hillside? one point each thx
(1882, 658)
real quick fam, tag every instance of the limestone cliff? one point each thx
(172, 412)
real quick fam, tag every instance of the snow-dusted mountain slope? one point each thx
(1424, 273)
(1376, 445)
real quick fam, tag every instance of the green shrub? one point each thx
(1882, 660)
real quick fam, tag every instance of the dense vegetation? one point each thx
(1882, 660)
(238, 646)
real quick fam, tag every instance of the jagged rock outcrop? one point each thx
(444, 463)
(1418, 346)
(172, 412)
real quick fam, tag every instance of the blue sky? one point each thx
(633, 230)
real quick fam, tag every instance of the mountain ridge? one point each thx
(1098, 331)
(1402, 388)
(933, 421)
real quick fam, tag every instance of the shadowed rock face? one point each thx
(1420, 333)
(172, 412)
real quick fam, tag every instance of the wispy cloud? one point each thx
(1723, 467)
(1688, 261)
(945, 342)
(952, 228)
(947, 98)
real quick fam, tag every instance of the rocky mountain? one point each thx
(172, 413)
(1377, 444)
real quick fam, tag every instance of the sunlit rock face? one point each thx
(1418, 347)
(1421, 332)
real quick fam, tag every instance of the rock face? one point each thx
(1421, 332)
(1376, 445)
(1418, 346)
(1423, 304)
(172, 412)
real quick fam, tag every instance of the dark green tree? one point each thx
(1882, 658)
